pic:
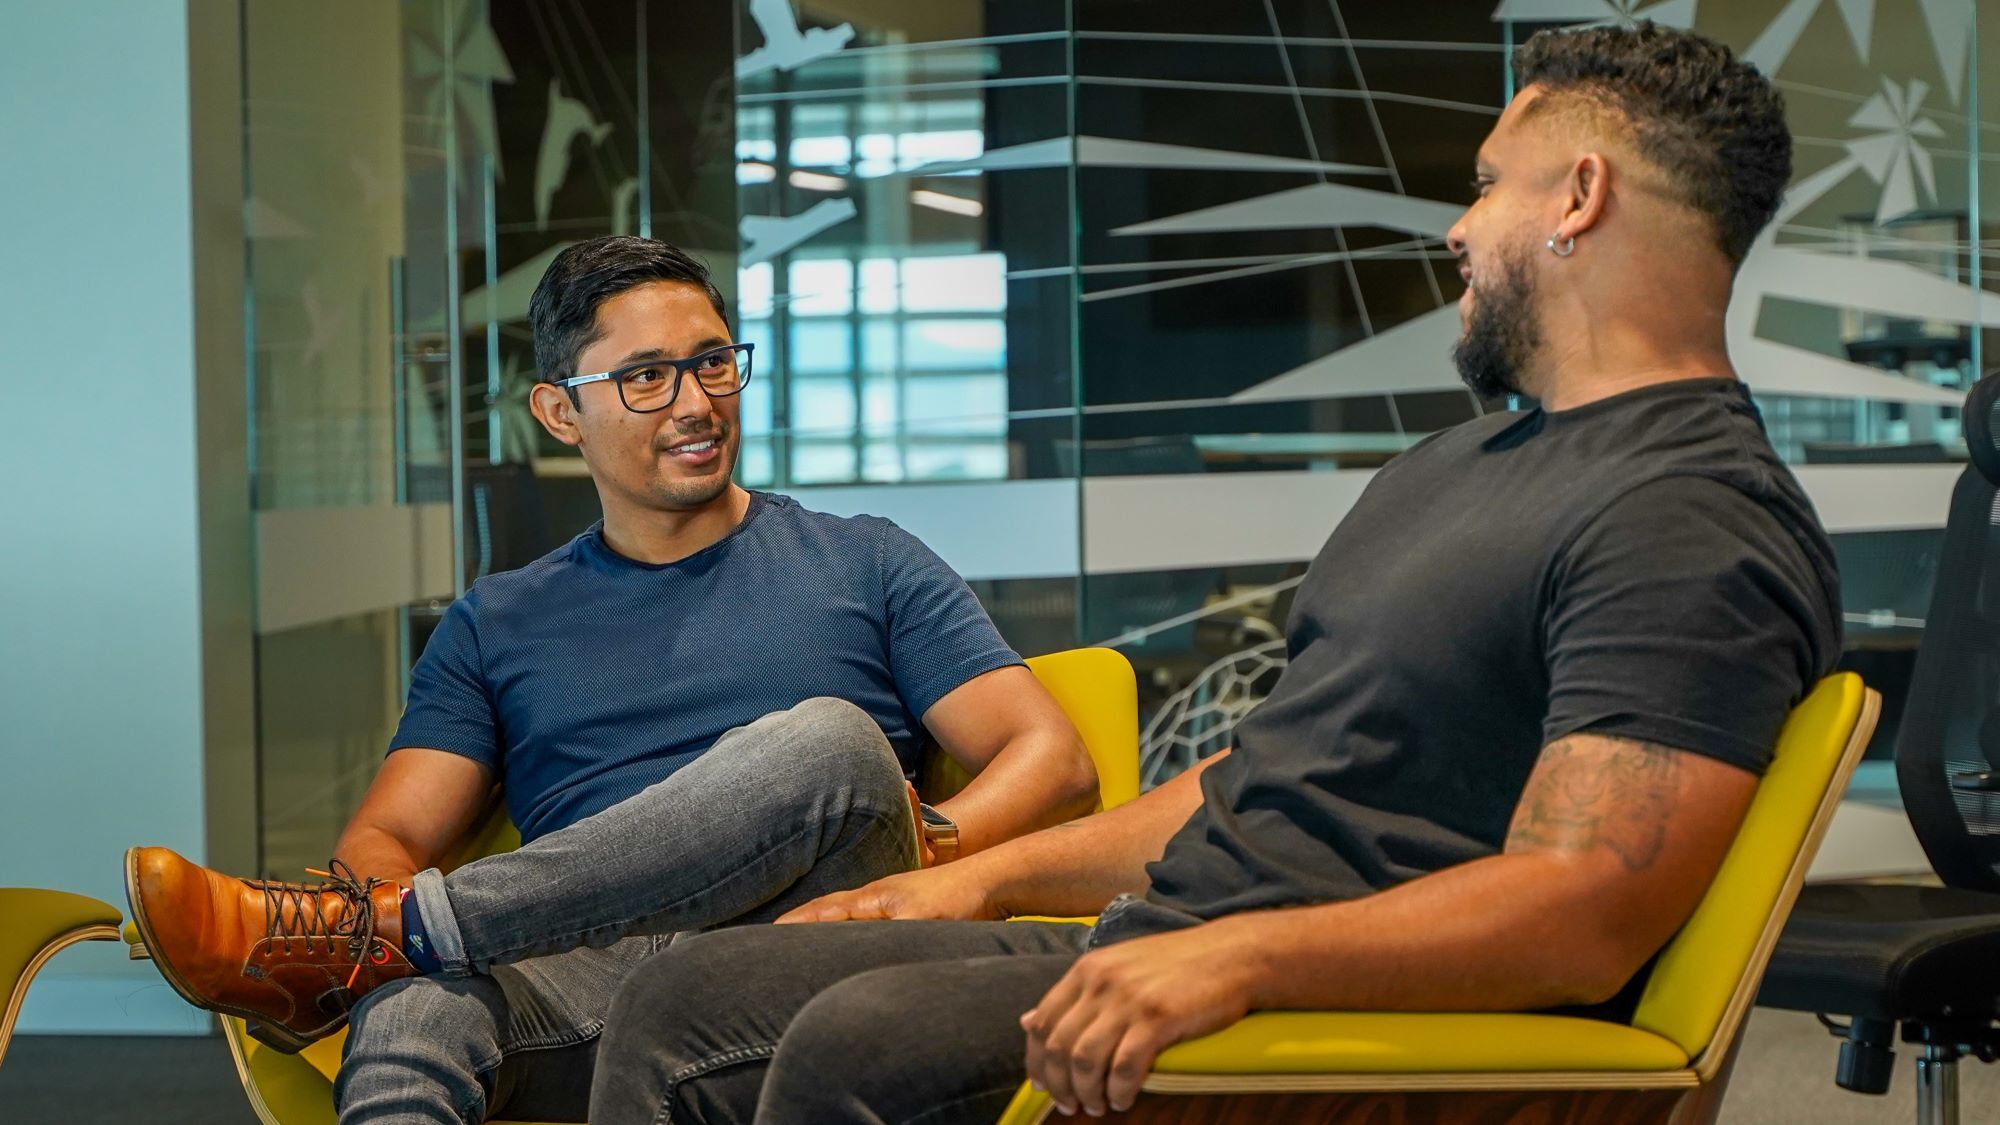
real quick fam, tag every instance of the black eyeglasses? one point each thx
(654, 384)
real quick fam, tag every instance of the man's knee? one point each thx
(840, 724)
(429, 1015)
(422, 1046)
(851, 1026)
(688, 1030)
(970, 1061)
(840, 742)
(684, 978)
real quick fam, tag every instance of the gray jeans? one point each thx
(536, 942)
(843, 1023)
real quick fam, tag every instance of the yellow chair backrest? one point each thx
(1096, 688)
(1710, 971)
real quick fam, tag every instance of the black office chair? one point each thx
(1920, 958)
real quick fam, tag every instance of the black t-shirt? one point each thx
(1642, 566)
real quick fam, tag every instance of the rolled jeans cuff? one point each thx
(434, 907)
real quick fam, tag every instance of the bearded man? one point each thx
(1535, 675)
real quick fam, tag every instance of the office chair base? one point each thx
(1937, 1086)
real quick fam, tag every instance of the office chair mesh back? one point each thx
(1951, 724)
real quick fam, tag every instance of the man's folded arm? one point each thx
(423, 800)
(421, 804)
(1029, 766)
(1611, 846)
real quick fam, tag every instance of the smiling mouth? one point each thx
(695, 447)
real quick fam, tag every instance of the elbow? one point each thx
(1077, 789)
(1591, 972)
(1581, 990)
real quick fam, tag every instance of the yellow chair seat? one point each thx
(35, 925)
(35, 918)
(1419, 1043)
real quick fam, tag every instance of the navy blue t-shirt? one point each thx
(585, 677)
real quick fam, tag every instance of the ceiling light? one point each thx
(939, 201)
(815, 181)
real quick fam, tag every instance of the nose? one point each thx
(692, 405)
(1454, 239)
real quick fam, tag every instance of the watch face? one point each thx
(937, 819)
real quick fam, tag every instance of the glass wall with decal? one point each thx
(1258, 195)
(1119, 306)
(412, 167)
(330, 162)
(1865, 312)
(1254, 198)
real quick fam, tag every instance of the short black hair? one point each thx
(1710, 122)
(563, 311)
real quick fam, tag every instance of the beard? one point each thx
(1501, 336)
(682, 493)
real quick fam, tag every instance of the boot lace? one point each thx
(300, 912)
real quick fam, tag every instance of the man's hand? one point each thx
(1093, 1038)
(939, 892)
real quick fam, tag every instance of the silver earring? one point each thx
(1567, 248)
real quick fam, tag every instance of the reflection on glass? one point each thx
(895, 321)
(931, 192)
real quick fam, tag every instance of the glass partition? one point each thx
(1119, 306)
(333, 173)
(412, 169)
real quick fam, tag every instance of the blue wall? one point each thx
(100, 657)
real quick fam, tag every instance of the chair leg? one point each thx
(1937, 1086)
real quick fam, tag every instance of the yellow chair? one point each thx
(35, 925)
(1096, 689)
(1668, 1065)
(1094, 686)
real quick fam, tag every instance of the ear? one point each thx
(553, 409)
(1588, 188)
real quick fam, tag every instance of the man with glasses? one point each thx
(700, 712)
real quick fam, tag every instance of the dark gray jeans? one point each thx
(888, 1023)
(536, 942)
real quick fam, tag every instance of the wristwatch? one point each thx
(942, 833)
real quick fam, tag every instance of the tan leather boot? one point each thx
(289, 958)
